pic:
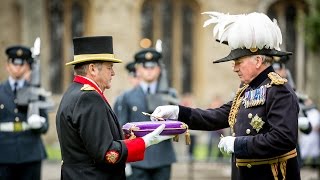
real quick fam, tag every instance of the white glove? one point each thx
(303, 123)
(128, 170)
(226, 144)
(167, 112)
(154, 137)
(35, 121)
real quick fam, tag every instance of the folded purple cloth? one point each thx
(140, 129)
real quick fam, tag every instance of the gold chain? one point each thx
(235, 107)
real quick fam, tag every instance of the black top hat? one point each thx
(147, 55)
(95, 48)
(17, 54)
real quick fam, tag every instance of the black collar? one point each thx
(261, 77)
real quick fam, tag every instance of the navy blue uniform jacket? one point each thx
(277, 136)
(19, 147)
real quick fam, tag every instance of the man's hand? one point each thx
(35, 121)
(154, 137)
(226, 144)
(165, 112)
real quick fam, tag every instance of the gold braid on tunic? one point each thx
(235, 107)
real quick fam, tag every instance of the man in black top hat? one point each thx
(91, 139)
(145, 97)
(21, 149)
(263, 116)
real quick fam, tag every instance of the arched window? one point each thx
(173, 23)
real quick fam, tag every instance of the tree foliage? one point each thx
(312, 26)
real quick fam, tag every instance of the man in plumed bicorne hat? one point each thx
(263, 116)
(91, 139)
(21, 147)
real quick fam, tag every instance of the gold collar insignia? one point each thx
(87, 87)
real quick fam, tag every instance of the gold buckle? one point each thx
(17, 126)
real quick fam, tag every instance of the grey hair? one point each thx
(267, 60)
(81, 69)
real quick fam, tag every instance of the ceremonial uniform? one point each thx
(265, 127)
(83, 117)
(263, 116)
(90, 137)
(21, 147)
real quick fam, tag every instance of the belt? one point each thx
(16, 126)
(274, 162)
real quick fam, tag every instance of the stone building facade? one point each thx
(188, 48)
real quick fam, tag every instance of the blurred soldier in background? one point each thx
(133, 79)
(132, 74)
(309, 143)
(21, 149)
(145, 97)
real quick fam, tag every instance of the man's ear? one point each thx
(92, 69)
(259, 61)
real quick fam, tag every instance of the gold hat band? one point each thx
(90, 57)
(93, 56)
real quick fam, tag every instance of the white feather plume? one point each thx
(254, 30)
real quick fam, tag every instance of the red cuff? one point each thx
(136, 148)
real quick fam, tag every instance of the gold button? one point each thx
(249, 166)
(15, 110)
(134, 108)
(248, 131)
(233, 134)
(250, 115)
(1, 106)
(16, 119)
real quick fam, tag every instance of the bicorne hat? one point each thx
(94, 48)
(246, 34)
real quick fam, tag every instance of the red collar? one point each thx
(82, 80)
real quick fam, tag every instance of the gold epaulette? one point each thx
(276, 79)
(87, 87)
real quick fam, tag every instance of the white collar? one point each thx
(152, 86)
(20, 82)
